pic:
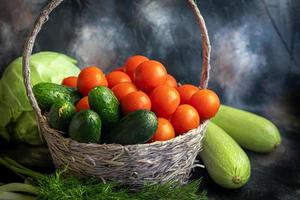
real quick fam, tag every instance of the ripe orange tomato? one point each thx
(83, 104)
(185, 118)
(122, 89)
(116, 77)
(70, 81)
(206, 102)
(135, 101)
(186, 92)
(132, 63)
(149, 75)
(120, 69)
(164, 131)
(171, 81)
(165, 100)
(89, 78)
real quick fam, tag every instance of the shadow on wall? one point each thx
(254, 44)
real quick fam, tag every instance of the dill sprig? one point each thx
(58, 186)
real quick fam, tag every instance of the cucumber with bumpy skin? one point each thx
(226, 162)
(85, 127)
(247, 129)
(105, 103)
(60, 115)
(47, 94)
(135, 128)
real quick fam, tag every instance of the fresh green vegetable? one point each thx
(227, 164)
(15, 196)
(60, 115)
(19, 187)
(104, 102)
(47, 94)
(25, 129)
(135, 128)
(86, 127)
(249, 130)
(19, 169)
(45, 67)
(56, 186)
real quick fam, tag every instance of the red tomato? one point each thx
(132, 63)
(165, 100)
(122, 89)
(70, 81)
(89, 78)
(149, 75)
(116, 77)
(186, 92)
(184, 119)
(137, 100)
(206, 102)
(171, 81)
(164, 131)
(83, 104)
(120, 69)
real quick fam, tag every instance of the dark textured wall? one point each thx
(255, 53)
(255, 44)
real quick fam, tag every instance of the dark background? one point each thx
(255, 61)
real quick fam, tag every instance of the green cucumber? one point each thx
(135, 128)
(226, 162)
(47, 94)
(60, 115)
(85, 127)
(103, 101)
(249, 130)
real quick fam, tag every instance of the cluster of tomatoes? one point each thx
(145, 84)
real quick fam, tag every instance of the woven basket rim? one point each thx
(132, 165)
(71, 141)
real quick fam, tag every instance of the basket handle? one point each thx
(43, 17)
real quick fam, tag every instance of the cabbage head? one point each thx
(17, 120)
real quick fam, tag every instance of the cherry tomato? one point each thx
(171, 81)
(186, 92)
(70, 81)
(89, 78)
(137, 100)
(132, 63)
(149, 75)
(83, 104)
(122, 89)
(120, 69)
(164, 131)
(184, 119)
(116, 77)
(165, 100)
(206, 102)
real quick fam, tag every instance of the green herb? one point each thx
(56, 186)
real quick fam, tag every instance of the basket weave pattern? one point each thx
(157, 162)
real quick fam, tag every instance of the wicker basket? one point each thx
(133, 165)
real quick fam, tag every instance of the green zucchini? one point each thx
(47, 94)
(135, 128)
(247, 129)
(226, 162)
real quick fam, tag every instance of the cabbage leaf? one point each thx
(17, 121)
